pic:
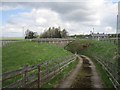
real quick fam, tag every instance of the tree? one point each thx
(30, 34)
(54, 33)
(57, 33)
(63, 33)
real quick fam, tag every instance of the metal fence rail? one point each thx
(111, 69)
(7, 42)
(39, 40)
(111, 40)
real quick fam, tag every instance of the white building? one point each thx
(98, 36)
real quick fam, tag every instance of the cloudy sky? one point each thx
(77, 17)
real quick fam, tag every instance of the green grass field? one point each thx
(17, 55)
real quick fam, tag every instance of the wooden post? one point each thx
(116, 72)
(47, 71)
(111, 68)
(54, 69)
(38, 76)
(25, 75)
(59, 67)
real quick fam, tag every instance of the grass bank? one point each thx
(17, 55)
(104, 51)
(103, 75)
(101, 49)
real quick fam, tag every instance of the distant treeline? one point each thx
(51, 32)
(54, 33)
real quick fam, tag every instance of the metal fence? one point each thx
(111, 40)
(111, 69)
(7, 42)
(40, 40)
(37, 75)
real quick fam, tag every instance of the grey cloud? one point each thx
(73, 11)
(110, 20)
(81, 13)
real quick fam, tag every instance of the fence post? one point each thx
(116, 72)
(25, 75)
(47, 72)
(59, 66)
(54, 68)
(38, 76)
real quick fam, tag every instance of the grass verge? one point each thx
(103, 75)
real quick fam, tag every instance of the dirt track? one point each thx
(69, 80)
(83, 76)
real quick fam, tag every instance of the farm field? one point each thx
(17, 55)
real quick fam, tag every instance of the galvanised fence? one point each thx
(111, 40)
(37, 75)
(112, 69)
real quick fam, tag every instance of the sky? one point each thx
(76, 16)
